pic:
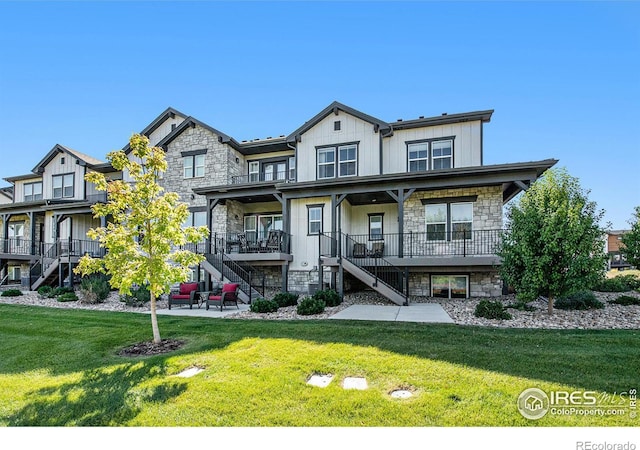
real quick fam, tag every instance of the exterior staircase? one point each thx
(251, 281)
(372, 269)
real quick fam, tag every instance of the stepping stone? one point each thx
(188, 373)
(320, 380)
(355, 383)
(401, 393)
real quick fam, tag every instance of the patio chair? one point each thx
(228, 296)
(359, 250)
(273, 241)
(245, 245)
(377, 250)
(188, 294)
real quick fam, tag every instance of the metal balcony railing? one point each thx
(274, 177)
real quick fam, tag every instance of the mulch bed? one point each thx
(151, 348)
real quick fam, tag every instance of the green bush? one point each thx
(521, 305)
(67, 297)
(11, 293)
(626, 300)
(263, 306)
(580, 300)
(140, 296)
(45, 291)
(95, 288)
(311, 305)
(61, 290)
(286, 299)
(329, 297)
(491, 310)
(621, 283)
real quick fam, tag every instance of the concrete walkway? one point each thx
(417, 312)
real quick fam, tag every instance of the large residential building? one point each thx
(347, 200)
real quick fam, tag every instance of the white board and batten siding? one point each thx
(352, 129)
(467, 144)
(305, 247)
(18, 189)
(57, 167)
(164, 129)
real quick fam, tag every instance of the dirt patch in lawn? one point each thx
(151, 348)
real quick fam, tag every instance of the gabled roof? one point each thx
(7, 192)
(334, 108)
(191, 122)
(85, 160)
(168, 113)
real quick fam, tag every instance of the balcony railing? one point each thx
(274, 241)
(18, 246)
(63, 247)
(278, 177)
(423, 244)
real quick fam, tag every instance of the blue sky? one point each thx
(563, 78)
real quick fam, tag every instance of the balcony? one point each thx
(267, 177)
(18, 247)
(252, 246)
(423, 244)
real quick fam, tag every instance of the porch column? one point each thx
(32, 223)
(5, 235)
(211, 203)
(400, 198)
(286, 224)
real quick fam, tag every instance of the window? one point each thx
(461, 220)
(32, 191)
(254, 171)
(336, 125)
(375, 227)
(430, 155)
(436, 222)
(63, 186)
(418, 157)
(292, 168)
(275, 171)
(315, 219)
(347, 158)
(251, 227)
(16, 230)
(193, 166)
(449, 286)
(449, 221)
(441, 154)
(196, 219)
(326, 163)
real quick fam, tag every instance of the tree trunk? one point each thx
(154, 320)
(550, 305)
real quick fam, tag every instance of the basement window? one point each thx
(450, 286)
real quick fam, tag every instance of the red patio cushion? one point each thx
(186, 288)
(231, 287)
(215, 297)
(180, 297)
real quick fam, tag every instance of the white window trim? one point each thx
(446, 221)
(347, 161)
(430, 158)
(461, 221)
(197, 166)
(309, 221)
(332, 163)
(254, 171)
(63, 186)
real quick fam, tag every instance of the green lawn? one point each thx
(59, 367)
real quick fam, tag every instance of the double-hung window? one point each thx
(326, 163)
(449, 221)
(314, 219)
(193, 166)
(341, 161)
(63, 186)
(430, 155)
(375, 227)
(254, 171)
(32, 191)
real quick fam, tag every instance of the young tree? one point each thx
(630, 248)
(144, 229)
(553, 244)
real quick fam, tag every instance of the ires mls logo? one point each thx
(534, 403)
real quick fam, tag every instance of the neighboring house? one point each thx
(6, 195)
(43, 229)
(407, 207)
(612, 248)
